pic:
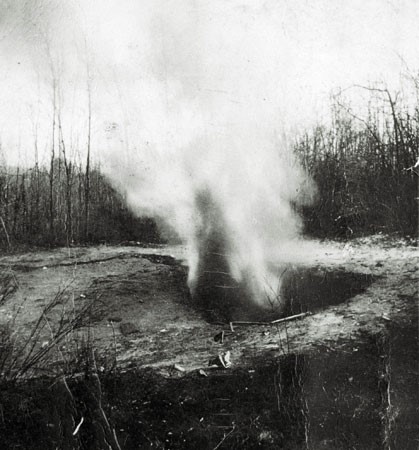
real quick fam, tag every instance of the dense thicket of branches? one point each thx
(359, 166)
(41, 206)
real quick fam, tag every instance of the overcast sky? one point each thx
(164, 71)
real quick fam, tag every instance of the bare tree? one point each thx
(87, 174)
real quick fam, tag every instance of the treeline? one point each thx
(65, 204)
(363, 168)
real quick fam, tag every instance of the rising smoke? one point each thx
(210, 159)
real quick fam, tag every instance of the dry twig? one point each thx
(271, 322)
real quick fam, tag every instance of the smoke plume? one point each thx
(210, 159)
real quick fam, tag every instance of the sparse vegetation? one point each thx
(44, 370)
(38, 351)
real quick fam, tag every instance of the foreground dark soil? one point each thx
(141, 369)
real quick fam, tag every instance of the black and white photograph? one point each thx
(209, 224)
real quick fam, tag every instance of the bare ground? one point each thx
(144, 316)
(353, 362)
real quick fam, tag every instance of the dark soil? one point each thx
(323, 400)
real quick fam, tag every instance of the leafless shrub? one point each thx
(38, 351)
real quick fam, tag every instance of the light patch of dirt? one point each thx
(143, 316)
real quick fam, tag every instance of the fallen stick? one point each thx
(295, 316)
(272, 322)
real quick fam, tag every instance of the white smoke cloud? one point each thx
(214, 165)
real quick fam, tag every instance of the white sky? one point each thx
(166, 71)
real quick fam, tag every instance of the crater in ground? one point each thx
(302, 290)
